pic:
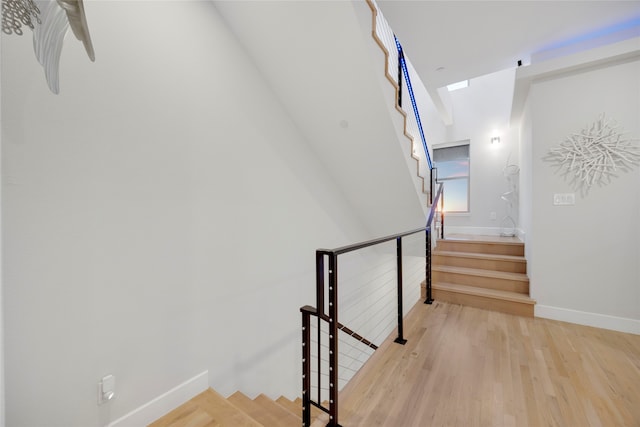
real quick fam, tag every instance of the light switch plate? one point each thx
(564, 199)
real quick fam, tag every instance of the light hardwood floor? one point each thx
(468, 367)
(464, 366)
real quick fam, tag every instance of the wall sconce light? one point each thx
(495, 139)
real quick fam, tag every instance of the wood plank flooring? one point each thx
(464, 366)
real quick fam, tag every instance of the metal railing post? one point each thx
(432, 184)
(320, 282)
(428, 299)
(431, 187)
(306, 366)
(333, 340)
(320, 310)
(400, 339)
(442, 215)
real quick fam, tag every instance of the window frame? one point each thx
(466, 178)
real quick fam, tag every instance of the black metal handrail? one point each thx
(331, 316)
(404, 71)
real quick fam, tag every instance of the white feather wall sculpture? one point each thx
(48, 35)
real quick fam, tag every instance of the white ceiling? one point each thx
(450, 41)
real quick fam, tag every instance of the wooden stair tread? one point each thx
(223, 411)
(244, 403)
(283, 415)
(484, 261)
(476, 255)
(188, 414)
(259, 410)
(206, 410)
(315, 412)
(321, 421)
(290, 405)
(483, 245)
(499, 240)
(481, 272)
(488, 293)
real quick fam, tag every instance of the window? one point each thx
(452, 162)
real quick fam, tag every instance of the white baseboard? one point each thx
(164, 403)
(604, 321)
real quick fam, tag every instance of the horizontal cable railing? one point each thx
(322, 340)
(354, 353)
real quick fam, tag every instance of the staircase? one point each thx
(209, 408)
(484, 272)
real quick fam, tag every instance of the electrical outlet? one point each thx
(106, 389)
(493, 216)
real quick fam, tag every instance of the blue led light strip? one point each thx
(405, 71)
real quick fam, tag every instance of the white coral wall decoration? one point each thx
(595, 155)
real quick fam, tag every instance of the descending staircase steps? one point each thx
(210, 408)
(487, 273)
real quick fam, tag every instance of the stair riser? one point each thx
(486, 303)
(481, 281)
(481, 247)
(485, 264)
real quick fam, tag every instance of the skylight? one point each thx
(459, 85)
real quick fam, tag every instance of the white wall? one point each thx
(328, 82)
(1, 276)
(585, 256)
(526, 187)
(160, 221)
(480, 111)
